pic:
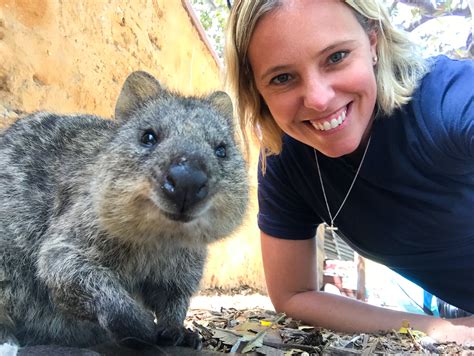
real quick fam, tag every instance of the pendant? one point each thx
(332, 229)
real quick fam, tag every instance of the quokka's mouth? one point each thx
(178, 217)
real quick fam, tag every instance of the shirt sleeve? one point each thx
(283, 213)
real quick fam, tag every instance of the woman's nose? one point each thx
(318, 93)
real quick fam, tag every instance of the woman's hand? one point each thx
(460, 330)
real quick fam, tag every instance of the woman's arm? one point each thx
(290, 272)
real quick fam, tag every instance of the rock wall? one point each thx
(73, 56)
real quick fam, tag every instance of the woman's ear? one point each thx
(373, 42)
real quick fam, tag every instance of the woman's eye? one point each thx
(337, 57)
(280, 79)
(149, 138)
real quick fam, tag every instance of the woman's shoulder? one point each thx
(443, 105)
(291, 149)
(446, 73)
(447, 90)
(446, 60)
(294, 157)
(445, 94)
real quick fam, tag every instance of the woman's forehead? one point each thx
(311, 24)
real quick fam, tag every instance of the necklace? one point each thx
(332, 228)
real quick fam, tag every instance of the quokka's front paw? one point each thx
(132, 330)
(178, 336)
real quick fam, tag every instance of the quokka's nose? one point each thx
(185, 185)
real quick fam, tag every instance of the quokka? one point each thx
(104, 224)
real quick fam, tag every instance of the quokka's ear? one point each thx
(139, 87)
(223, 103)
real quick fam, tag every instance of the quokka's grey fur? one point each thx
(104, 224)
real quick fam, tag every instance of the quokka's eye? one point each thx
(149, 138)
(221, 151)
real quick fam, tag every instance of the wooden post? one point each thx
(360, 262)
(320, 255)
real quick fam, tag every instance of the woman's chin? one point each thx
(336, 152)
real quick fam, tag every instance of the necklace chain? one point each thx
(332, 228)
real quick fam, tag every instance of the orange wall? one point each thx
(69, 56)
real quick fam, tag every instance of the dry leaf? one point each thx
(227, 337)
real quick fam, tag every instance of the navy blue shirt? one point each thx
(412, 205)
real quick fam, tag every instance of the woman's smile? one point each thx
(330, 123)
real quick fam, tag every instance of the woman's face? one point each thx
(313, 65)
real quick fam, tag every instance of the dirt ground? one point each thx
(246, 323)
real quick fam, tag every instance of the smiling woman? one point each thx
(358, 131)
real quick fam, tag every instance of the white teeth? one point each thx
(342, 117)
(328, 125)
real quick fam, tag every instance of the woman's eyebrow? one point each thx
(335, 45)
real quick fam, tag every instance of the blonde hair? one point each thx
(398, 70)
